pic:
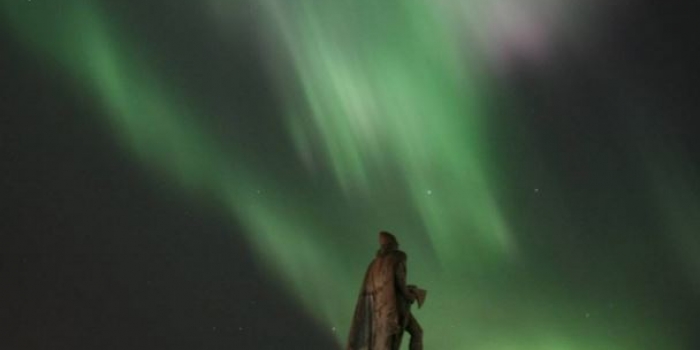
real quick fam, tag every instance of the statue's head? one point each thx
(387, 239)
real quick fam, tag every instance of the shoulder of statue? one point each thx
(401, 255)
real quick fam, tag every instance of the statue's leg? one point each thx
(416, 333)
(396, 340)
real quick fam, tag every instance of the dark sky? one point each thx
(96, 252)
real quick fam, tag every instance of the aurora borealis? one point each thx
(546, 195)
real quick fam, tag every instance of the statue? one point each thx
(383, 310)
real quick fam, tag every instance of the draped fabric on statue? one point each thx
(380, 312)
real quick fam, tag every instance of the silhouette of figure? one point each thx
(382, 311)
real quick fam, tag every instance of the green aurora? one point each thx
(390, 127)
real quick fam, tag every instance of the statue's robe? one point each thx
(382, 308)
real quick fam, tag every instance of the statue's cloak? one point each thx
(381, 310)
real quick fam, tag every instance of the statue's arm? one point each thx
(401, 281)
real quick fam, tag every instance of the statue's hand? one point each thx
(412, 293)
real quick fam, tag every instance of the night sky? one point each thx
(213, 174)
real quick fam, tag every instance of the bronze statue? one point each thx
(383, 310)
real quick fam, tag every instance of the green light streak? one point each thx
(390, 111)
